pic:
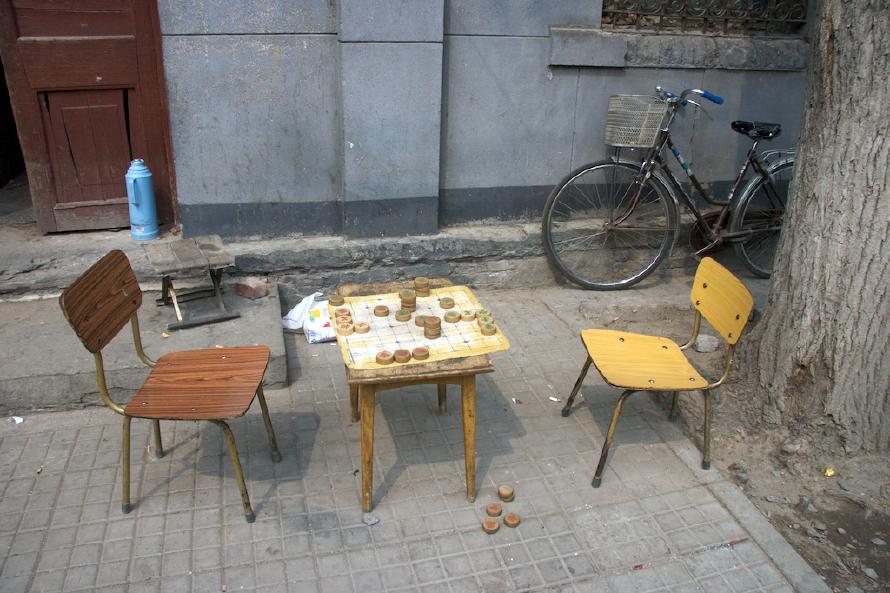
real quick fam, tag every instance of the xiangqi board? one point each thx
(459, 339)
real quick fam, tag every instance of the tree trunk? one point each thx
(824, 341)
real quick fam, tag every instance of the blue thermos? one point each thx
(141, 196)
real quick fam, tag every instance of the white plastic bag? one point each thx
(318, 326)
(296, 316)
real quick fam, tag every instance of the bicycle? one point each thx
(609, 224)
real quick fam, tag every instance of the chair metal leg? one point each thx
(236, 465)
(567, 409)
(126, 507)
(706, 445)
(674, 408)
(270, 432)
(156, 432)
(442, 395)
(598, 475)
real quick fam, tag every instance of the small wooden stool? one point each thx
(190, 256)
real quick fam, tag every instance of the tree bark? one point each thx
(825, 335)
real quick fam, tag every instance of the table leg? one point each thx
(443, 398)
(366, 395)
(353, 402)
(468, 408)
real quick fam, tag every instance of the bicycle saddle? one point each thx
(757, 130)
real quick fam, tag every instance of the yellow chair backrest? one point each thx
(722, 299)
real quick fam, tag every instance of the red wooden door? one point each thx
(86, 85)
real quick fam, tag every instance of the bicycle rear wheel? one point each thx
(604, 230)
(760, 214)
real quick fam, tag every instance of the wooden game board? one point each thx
(458, 340)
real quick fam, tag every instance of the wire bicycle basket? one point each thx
(634, 121)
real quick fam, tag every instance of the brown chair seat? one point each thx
(212, 383)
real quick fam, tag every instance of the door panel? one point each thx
(87, 90)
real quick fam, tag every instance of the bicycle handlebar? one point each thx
(673, 98)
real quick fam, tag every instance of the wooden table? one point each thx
(364, 384)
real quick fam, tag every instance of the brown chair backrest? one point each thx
(722, 299)
(101, 302)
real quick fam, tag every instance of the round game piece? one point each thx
(452, 316)
(362, 327)
(481, 312)
(344, 319)
(446, 302)
(482, 320)
(490, 526)
(342, 311)
(381, 311)
(345, 329)
(384, 357)
(335, 300)
(407, 295)
(468, 315)
(403, 315)
(421, 282)
(506, 493)
(489, 329)
(410, 307)
(511, 519)
(431, 334)
(421, 353)
(420, 320)
(494, 509)
(422, 293)
(432, 321)
(402, 355)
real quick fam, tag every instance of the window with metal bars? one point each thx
(728, 17)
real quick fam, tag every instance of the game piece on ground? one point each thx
(490, 526)
(384, 357)
(403, 315)
(506, 493)
(336, 300)
(511, 519)
(446, 302)
(494, 509)
(402, 355)
(421, 353)
(381, 311)
(468, 315)
(489, 329)
(345, 329)
(420, 320)
(362, 327)
(452, 316)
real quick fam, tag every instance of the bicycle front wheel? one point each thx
(606, 228)
(759, 216)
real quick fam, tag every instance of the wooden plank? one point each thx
(55, 63)
(62, 23)
(454, 367)
(85, 217)
(73, 4)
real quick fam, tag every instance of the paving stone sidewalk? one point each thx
(658, 523)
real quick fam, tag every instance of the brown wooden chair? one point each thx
(214, 384)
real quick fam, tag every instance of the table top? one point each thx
(461, 339)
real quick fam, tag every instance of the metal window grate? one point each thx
(744, 17)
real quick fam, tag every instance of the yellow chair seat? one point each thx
(641, 362)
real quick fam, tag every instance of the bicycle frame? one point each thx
(655, 160)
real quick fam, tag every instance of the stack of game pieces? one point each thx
(432, 327)
(343, 319)
(422, 286)
(409, 300)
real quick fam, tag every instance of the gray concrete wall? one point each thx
(255, 113)
(377, 118)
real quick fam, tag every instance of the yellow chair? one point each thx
(637, 362)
